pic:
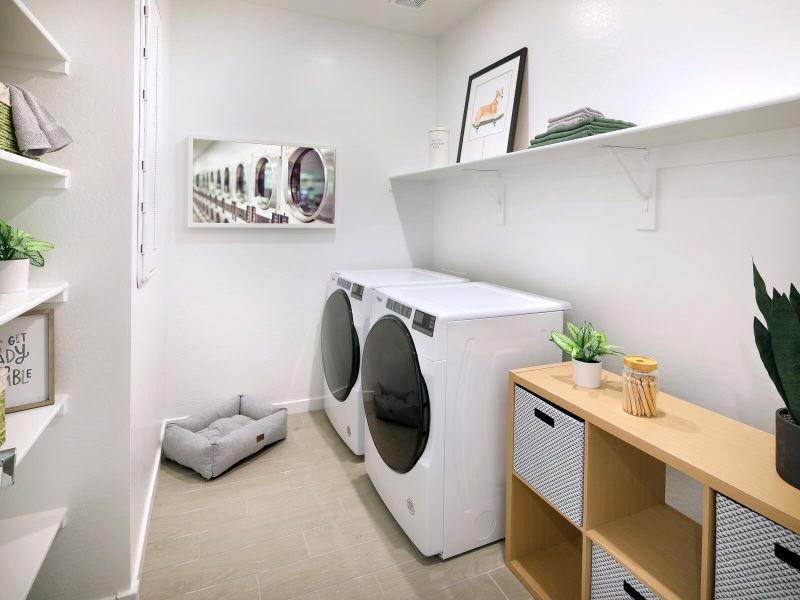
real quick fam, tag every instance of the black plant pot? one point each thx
(787, 448)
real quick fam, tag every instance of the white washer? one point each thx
(345, 321)
(435, 389)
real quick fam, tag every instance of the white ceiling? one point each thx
(432, 19)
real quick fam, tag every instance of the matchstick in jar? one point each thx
(640, 386)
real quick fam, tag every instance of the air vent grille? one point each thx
(410, 3)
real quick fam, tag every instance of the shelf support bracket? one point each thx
(492, 186)
(7, 461)
(645, 189)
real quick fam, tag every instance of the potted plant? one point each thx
(18, 250)
(585, 346)
(778, 343)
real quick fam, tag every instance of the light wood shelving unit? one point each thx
(625, 512)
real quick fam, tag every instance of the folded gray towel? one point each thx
(584, 112)
(571, 121)
(36, 129)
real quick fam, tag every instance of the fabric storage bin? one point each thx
(612, 581)
(549, 446)
(755, 557)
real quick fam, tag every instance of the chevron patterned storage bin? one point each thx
(755, 557)
(612, 581)
(548, 452)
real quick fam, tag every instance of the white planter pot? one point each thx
(14, 275)
(586, 375)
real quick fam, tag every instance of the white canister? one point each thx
(438, 147)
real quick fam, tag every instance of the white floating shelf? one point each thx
(759, 118)
(25, 427)
(19, 171)
(26, 44)
(14, 305)
(24, 544)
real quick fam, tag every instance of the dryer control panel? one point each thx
(343, 283)
(357, 292)
(424, 323)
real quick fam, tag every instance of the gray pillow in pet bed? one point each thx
(214, 441)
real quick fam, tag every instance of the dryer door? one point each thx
(340, 348)
(395, 395)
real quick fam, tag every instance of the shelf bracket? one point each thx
(7, 460)
(644, 183)
(492, 186)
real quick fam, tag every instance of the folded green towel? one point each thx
(597, 121)
(590, 129)
(574, 136)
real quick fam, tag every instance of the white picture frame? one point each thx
(246, 184)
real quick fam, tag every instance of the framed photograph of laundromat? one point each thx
(270, 185)
(26, 348)
(491, 108)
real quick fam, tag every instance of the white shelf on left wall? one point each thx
(24, 544)
(14, 305)
(25, 427)
(26, 44)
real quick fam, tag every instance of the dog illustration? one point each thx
(488, 111)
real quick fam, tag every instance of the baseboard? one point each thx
(302, 405)
(136, 572)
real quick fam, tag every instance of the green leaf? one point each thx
(785, 332)
(762, 298)
(563, 342)
(794, 298)
(37, 246)
(574, 331)
(764, 345)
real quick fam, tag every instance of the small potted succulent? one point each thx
(778, 343)
(585, 346)
(18, 251)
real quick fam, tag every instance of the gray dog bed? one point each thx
(217, 439)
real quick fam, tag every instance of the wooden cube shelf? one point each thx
(624, 509)
(546, 555)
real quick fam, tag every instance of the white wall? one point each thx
(244, 307)
(147, 327)
(82, 461)
(682, 294)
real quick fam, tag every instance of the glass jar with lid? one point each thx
(640, 386)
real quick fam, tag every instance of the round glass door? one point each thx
(395, 395)
(307, 183)
(265, 183)
(340, 348)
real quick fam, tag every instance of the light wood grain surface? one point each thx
(728, 456)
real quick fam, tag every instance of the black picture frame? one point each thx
(522, 55)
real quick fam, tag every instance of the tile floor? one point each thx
(299, 520)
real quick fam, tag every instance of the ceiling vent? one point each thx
(409, 3)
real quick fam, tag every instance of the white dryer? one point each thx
(435, 390)
(345, 321)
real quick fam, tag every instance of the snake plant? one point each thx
(778, 340)
(585, 344)
(16, 244)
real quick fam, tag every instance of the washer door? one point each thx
(309, 184)
(265, 184)
(395, 395)
(340, 348)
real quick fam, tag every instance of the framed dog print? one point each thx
(491, 108)
(26, 348)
